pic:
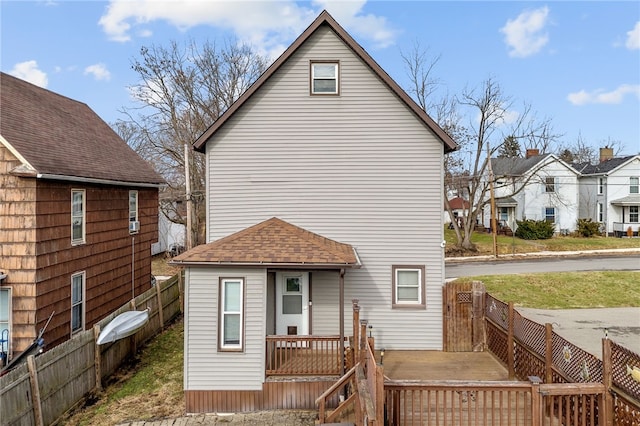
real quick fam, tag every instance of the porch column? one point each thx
(342, 358)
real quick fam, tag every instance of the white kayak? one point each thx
(122, 326)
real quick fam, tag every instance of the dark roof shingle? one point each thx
(59, 136)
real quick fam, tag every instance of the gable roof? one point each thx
(326, 19)
(57, 137)
(517, 166)
(273, 242)
(458, 203)
(602, 167)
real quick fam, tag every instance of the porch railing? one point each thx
(303, 355)
(621, 228)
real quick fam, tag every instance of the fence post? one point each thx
(97, 359)
(510, 343)
(607, 380)
(478, 331)
(548, 353)
(35, 390)
(356, 331)
(160, 312)
(536, 403)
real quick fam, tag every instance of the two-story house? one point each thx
(537, 187)
(78, 215)
(610, 192)
(324, 184)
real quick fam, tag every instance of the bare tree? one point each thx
(183, 89)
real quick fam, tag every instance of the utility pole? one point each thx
(494, 229)
(187, 186)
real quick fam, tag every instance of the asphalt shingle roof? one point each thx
(273, 242)
(602, 167)
(59, 136)
(515, 166)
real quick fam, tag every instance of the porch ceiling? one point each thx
(630, 200)
(273, 243)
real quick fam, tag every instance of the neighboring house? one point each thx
(78, 215)
(459, 208)
(537, 187)
(610, 192)
(324, 184)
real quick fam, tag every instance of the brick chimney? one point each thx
(532, 152)
(606, 153)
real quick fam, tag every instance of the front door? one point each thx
(292, 303)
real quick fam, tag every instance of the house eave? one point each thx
(268, 265)
(82, 179)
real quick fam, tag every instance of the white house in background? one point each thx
(459, 208)
(324, 184)
(610, 192)
(537, 187)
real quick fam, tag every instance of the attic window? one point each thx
(324, 78)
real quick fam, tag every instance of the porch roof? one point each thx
(629, 200)
(506, 202)
(272, 243)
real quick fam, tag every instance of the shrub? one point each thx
(588, 228)
(535, 229)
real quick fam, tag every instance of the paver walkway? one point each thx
(276, 417)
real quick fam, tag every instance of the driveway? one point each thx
(586, 327)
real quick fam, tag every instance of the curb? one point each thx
(541, 255)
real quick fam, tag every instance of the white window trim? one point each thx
(600, 212)
(600, 186)
(553, 185)
(222, 347)
(83, 303)
(421, 302)
(135, 217)
(634, 185)
(637, 214)
(81, 240)
(6, 346)
(336, 65)
(555, 215)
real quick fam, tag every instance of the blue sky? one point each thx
(577, 63)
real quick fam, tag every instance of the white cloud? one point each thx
(525, 35)
(29, 71)
(633, 37)
(266, 25)
(599, 96)
(99, 71)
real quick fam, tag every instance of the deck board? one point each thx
(437, 365)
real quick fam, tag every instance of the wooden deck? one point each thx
(437, 365)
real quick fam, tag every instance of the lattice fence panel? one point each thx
(625, 412)
(529, 333)
(527, 364)
(623, 357)
(578, 365)
(497, 341)
(497, 311)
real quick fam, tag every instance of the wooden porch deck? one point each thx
(437, 365)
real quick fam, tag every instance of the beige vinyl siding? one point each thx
(205, 367)
(359, 168)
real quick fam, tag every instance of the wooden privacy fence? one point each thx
(47, 386)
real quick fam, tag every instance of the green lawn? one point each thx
(513, 245)
(566, 290)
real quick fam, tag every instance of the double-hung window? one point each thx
(600, 185)
(5, 317)
(549, 184)
(634, 214)
(408, 286)
(325, 78)
(600, 212)
(231, 306)
(134, 225)
(634, 185)
(550, 214)
(78, 218)
(77, 302)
